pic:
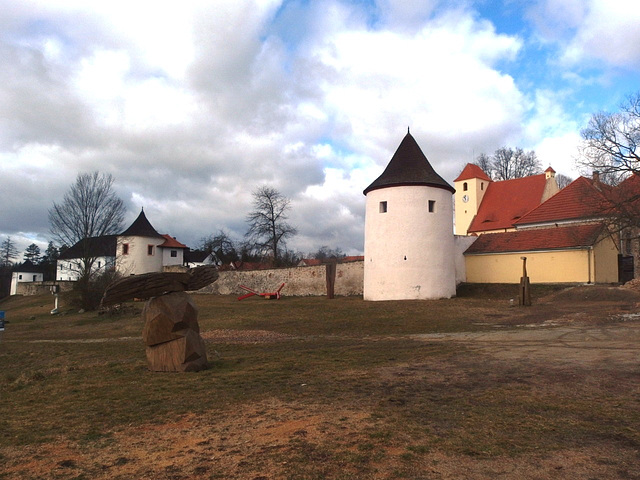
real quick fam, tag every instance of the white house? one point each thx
(139, 249)
(25, 273)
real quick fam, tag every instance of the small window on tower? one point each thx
(383, 207)
(432, 206)
(149, 249)
(174, 253)
(481, 186)
(465, 186)
(125, 249)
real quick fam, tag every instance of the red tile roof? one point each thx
(170, 242)
(581, 199)
(507, 201)
(472, 171)
(554, 238)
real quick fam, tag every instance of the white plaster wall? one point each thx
(409, 252)
(137, 261)
(70, 269)
(168, 260)
(461, 242)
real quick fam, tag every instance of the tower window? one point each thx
(383, 207)
(125, 249)
(465, 187)
(149, 249)
(481, 186)
(174, 253)
(432, 206)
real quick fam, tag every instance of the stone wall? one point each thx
(299, 281)
(37, 288)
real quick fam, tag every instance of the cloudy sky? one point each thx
(192, 105)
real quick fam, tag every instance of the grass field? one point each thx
(309, 388)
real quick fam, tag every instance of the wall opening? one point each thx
(465, 187)
(149, 249)
(383, 207)
(432, 206)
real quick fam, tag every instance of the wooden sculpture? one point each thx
(171, 331)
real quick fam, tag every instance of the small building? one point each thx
(198, 258)
(25, 273)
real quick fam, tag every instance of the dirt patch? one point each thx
(592, 293)
(266, 441)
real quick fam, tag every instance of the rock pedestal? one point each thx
(172, 334)
(171, 330)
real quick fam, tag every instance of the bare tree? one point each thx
(484, 162)
(222, 245)
(268, 227)
(89, 210)
(563, 180)
(507, 163)
(610, 142)
(8, 252)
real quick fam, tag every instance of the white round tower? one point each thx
(408, 237)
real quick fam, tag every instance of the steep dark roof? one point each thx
(27, 267)
(409, 166)
(195, 256)
(141, 228)
(104, 246)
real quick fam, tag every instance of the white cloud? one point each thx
(603, 31)
(191, 107)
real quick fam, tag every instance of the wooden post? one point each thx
(524, 296)
(331, 279)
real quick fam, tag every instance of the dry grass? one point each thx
(306, 388)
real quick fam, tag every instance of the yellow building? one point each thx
(565, 237)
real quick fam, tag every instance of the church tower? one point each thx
(471, 185)
(408, 244)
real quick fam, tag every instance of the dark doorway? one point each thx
(625, 268)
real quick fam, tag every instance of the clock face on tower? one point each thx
(465, 198)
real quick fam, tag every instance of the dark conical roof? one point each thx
(141, 227)
(409, 166)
